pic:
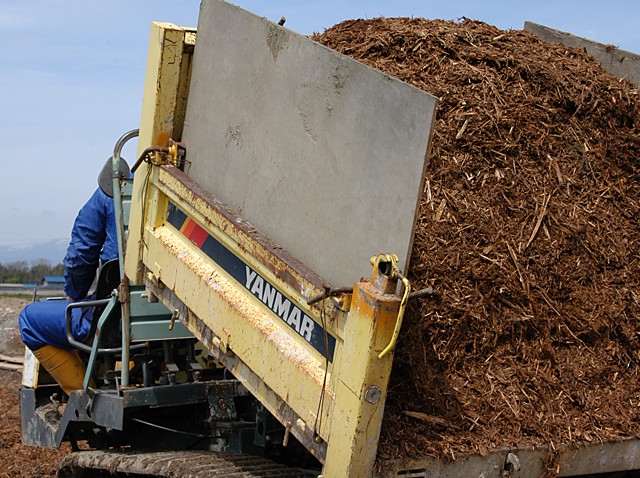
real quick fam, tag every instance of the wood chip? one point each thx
(550, 143)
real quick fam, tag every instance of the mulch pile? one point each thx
(528, 233)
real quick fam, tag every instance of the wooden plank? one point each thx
(10, 366)
(7, 358)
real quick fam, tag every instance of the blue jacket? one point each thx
(93, 238)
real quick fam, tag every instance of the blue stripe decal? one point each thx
(289, 312)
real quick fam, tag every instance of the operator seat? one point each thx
(108, 280)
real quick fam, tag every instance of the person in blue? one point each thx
(43, 324)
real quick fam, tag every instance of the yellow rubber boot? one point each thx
(63, 365)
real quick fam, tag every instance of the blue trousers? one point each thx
(44, 323)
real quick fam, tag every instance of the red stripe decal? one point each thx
(198, 236)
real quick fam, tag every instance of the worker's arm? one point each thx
(87, 239)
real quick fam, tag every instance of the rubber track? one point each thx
(174, 464)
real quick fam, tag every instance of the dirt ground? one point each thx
(17, 460)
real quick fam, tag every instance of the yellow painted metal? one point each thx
(283, 371)
(334, 408)
(361, 383)
(290, 366)
(391, 261)
(163, 109)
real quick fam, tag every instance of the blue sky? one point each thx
(72, 73)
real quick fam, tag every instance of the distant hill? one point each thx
(52, 251)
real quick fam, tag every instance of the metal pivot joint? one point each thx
(173, 154)
(385, 276)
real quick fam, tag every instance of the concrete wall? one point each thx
(323, 154)
(617, 62)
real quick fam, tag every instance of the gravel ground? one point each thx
(17, 460)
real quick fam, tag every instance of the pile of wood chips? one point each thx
(529, 234)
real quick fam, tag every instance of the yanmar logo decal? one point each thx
(274, 299)
(281, 306)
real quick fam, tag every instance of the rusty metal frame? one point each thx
(334, 408)
(277, 366)
(232, 322)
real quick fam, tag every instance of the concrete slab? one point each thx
(321, 153)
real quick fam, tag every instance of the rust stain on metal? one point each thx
(286, 276)
(383, 307)
(241, 301)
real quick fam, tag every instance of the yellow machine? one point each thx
(321, 367)
(308, 362)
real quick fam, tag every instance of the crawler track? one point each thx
(175, 464)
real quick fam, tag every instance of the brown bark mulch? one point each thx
(528, 232)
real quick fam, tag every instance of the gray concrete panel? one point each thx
(621, 63)
(323, 154)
